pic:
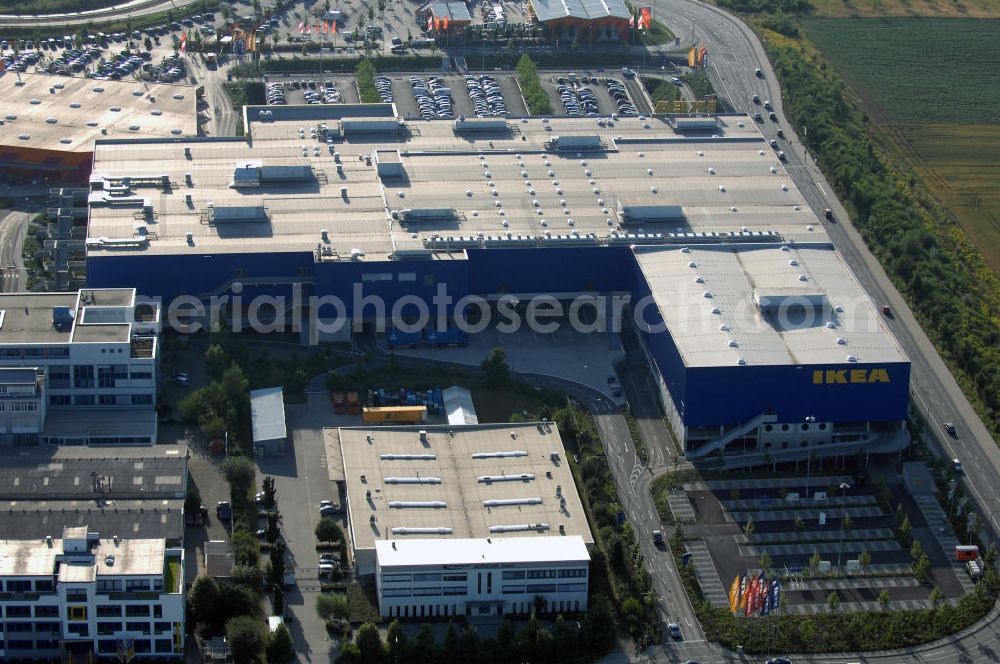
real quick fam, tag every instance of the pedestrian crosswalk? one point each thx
(790, 515)
(708, 576)
(680, 507)
(766, 483)
(938, 522)
(814, 536)
(807, 549)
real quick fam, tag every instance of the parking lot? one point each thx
(319, 90)
(405, 94)
(738, 525)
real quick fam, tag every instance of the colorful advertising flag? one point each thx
(734, 592)
(333, 27)
(302, 28)
(749, 595)
(692, 58)
(743, 592)
(702, 52)
(430, 24)
(647, 15)
(631, 20)
(183, 47)
(444, 24)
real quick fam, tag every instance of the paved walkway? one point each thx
(813, 536)
(766, 483)
(850, 584)
(764, 503)
(680, 507)
(937, 522)
(789, 515)
(821, 547)
(708, 576)
(849, 607)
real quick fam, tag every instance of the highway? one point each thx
(119, 11)
(734, 54)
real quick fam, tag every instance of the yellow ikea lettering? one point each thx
(845, 376)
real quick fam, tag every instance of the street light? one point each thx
(844, 486)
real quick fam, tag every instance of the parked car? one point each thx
(957, 465)
(181, 379)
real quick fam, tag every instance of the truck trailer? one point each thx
(394, 414)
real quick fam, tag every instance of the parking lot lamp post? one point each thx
(844, 486)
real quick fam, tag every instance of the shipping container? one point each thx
(450, 337)
(353, 405)
(394, 414)
(399, 338)
(338, 403)
(966, 552)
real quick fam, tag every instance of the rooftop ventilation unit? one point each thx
(407, 457)
(62, 318)
(588, 142)
(426, 214)
(500, 455)
(465, 125)
(422, 531)
(417, 504)
(507, 502)
(520, 528)
(412, 480)
(487, 479)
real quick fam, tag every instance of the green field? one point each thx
(916, 71)
(937, 112)
(925, 8)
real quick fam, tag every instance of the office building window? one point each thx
(43, 610)
(143, 646)
(84, 399)
(76, 612)
(76, 595)
(19, 644)
(107, 645)
(142, 627)
(164, 645)
(106, 399)
(79, 629)
(108, 628)
(83, 375)
(19, 611)
(157, 611)
(142, 399)
(58, 376)
(107, 611)
(161, 627)
(137, 610)
(142, 375)
(59, 399)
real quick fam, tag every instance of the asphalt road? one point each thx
(13, 224)
(122, 10)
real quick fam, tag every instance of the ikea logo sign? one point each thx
(845, 376)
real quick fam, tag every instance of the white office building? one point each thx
(422, 578)
(96, 350)
(82, 597)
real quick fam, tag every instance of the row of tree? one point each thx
(565, 641)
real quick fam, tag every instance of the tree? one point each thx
(598, 629)
(883, 599)
(634, 614)
(426, 649)
(506, 636)
(272, 528)
(277, 560)
(922, 567)
(916, 550)
(332, 606)
(204, 599)
(496, 368)
(240, 473)
(814, 562)
(750, 528)
(564, 637)
(936, 595)
(369, 642)
(800, 525)
(270, 493)
(766, 561)
(278, 601)
(833, 601)
(280, 649)
(864, 559)
(246, 548)
(246, 641)
(903, 530)
(328, 530)
(246, 575)
(395, 640)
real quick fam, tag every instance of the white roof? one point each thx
(267, 410)
(458, 404)
(706, 295)
(436, 552)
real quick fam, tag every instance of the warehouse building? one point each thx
(267, 415)
(50, 123)
(79, 596)
(457, 482)
(703, 230)
(570, 21)
(131, 492)
(71, 359)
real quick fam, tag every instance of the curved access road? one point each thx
(102, 15)
(734, 54)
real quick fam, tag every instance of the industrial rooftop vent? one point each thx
(62, 318)
(425, 214)
(252, 174)
(227, 214)
(465, 125)
(578, 143)
(706, 123)
(639, 214)
(388, 164)
(788, 300)
(351, 126)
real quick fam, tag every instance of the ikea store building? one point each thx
(763, 344)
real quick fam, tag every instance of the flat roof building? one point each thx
(63, 595)
(50, 123)
(94, 351)
(457, 483)
(267, 414)
(732, 274)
